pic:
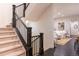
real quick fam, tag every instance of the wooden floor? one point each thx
(49, 52)
(66, 50)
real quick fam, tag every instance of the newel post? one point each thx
(41, 49)
(29, 47)
(24, 9)
(13, 19)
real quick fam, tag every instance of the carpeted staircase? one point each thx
(10, 44)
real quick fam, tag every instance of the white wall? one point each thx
(44, 25)
(5, 14)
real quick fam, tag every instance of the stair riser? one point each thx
(9, 26)
(10, 51)
(9, 48)
(6, 29)
(8, 38)
(9, 44)
(8, 33)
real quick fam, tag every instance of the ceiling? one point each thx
(65, 9)
(35, 10)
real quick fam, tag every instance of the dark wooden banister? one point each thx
(20, 5)
(25, 7)
(35, 36)
(27, 45)
(14, 14)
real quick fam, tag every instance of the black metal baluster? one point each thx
(37, 46)
(33, 46)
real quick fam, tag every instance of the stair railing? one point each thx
(24, 32)
(37, 45)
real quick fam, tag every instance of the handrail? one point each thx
(19, 5)
(35, 38)
(21, 21)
